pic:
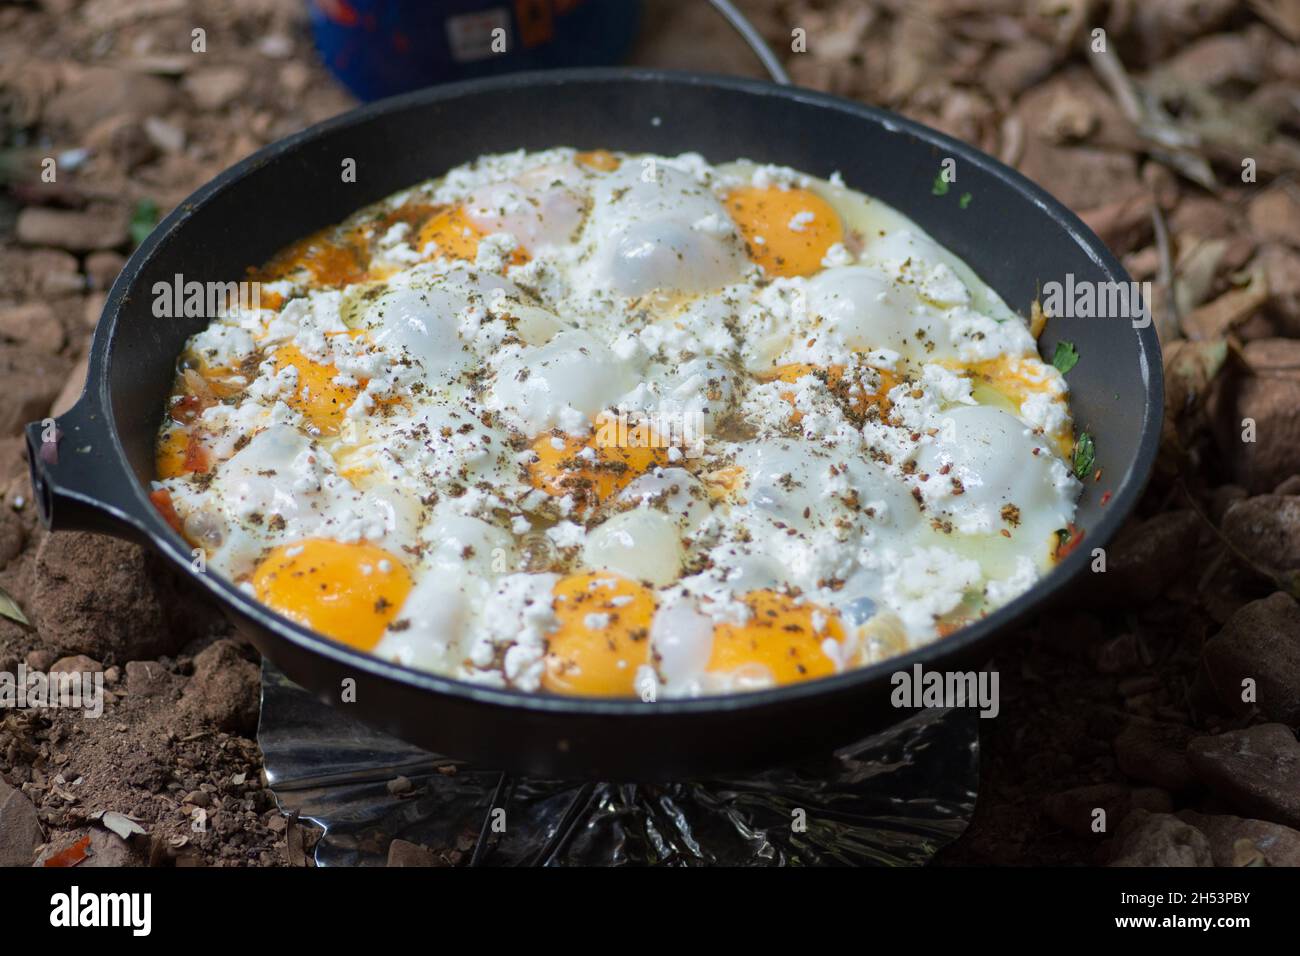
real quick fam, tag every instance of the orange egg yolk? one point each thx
(595, 467)
(1007, 381)
(457, 237)
(322, 401)
(780, 635)
(599, 159)
(349, 592)
(787, 231)
(602, 637)
(860, 396)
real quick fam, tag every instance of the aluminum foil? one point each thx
(893, 799)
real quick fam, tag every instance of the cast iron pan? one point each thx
(1014, 235)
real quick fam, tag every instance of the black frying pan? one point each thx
(1012, 233)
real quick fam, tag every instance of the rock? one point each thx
(34, 325)
(1224, 497)
(167, 137)
(1147, 558)
(1269, 398)
(20, 828)
(1275, 215)
(40, 660)
(1155, 753)
(39, 272)
(1256, 770)
(1159, 839)
(1015, 68)
(405, 853)
(1260, 642)
(1282, 270)
(101, 597)
(147, 679)
(122, 140)
(72, 388)
(98, 92)
(76, 231)
(1289, 487)
(31, 381)
(102, 269)
(225, 689)
(1118, 655)
(1274, 845)
(1267, 528)
(214, 87)
(1075, 809)
(1202, 217)
(76, 664)
(109, 849)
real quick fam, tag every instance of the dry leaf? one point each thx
(9, 608)
(1216, 319)
(119, 823)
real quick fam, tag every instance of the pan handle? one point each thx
(749, 33)
(78, 481)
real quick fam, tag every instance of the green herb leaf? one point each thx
(965, 200)
(1066, 357)
(940, 187)
(9, 608)
(143, 218)
(1085, 456)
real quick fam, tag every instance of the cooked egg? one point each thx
(615, 425)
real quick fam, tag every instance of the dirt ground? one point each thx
(1179, 144)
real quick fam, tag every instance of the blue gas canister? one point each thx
(378, 48)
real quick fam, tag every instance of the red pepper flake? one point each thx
(1105, 498)
(1072, 539)
(72, 855)
(162, 500)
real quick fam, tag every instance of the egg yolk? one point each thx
(593, 468)
(1006, 381)
(787, 231)
(602, 637)
(330, 262)
(317, 396)
(782, 636)
(859, 396)
(457, 237)
(599, 159)
(349, 592)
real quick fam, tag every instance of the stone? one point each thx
(1159, 839)
(1147, 558)
(1267, 529)
(147, 679)
(1274, 215)
(97, 92)
(1275, 845)
(33, 325)
(102, 269)
(72, 388)
(20, 828)
(1256, 770)
(74, 230)
(1261, 642)
(101, 597)
(225, 690)
(31, 381)
(76, 664)
(1269, 398)
(212, 88)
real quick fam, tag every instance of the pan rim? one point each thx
(230, 597)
